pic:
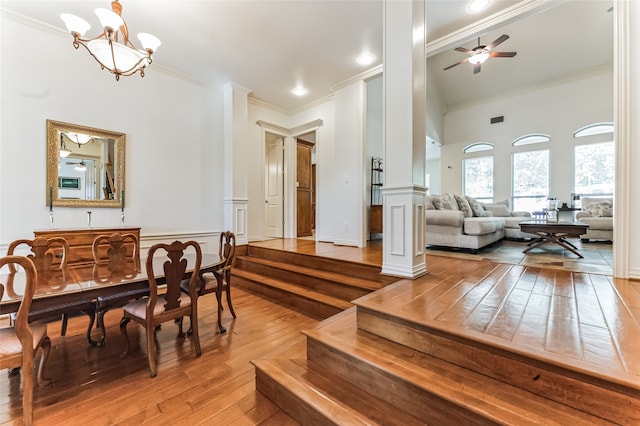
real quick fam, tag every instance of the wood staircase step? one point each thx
(342, 286)
(364, 271)
(309, 301)
(557, 379)
(312, 396)
(427, 387)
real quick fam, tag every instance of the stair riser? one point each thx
(402, 395)
(295, 301)
(359, 270)
(588, 394)
(289, 402)
(329, 287)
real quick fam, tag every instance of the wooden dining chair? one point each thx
(155, 309)
(19, 343)
(220, 280)
(45, 253)
(110, 254)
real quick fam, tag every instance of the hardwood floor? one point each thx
(585, 322)
(94, 386)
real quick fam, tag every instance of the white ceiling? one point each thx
(270, 46)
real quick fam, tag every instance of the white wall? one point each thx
(634, 186)
(348, 163)
(556, 110)
(173, 137)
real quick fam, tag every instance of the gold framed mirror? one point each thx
(85, 166)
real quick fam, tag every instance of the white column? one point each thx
(403, 194)
(236, 133)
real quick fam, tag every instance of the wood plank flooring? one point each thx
(585, 320)
(94, 386)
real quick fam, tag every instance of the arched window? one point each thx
(531, 139)
(477, 147)
(594, 129)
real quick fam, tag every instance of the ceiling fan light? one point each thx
(478, 58)
(81, 168)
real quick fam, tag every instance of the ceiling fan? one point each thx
(481, 53)
(80, 165)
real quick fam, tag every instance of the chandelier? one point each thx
(112, 49)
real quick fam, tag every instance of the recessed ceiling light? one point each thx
(299, 91)
(366, 59)
(477, 5)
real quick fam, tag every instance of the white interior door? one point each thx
(274, 191)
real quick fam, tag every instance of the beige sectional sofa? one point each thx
(597, 212)
(463, 222)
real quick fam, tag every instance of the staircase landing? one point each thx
(475, 342)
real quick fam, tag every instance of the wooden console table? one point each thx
(81, 240)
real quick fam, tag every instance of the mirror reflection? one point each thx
(85, 166)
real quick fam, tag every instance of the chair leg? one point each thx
(151, 350)
(27, 388)
(123, 329)
(233, 313)
(63, 327)
(46, 348)
(195, 335)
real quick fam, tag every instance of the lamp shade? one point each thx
(109, 19)
(64, 153)
(149, 42)
(75, 24)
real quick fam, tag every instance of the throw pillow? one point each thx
(445, 202)
(497, 210)
(599, 208)
(464, 206)
(476, 207)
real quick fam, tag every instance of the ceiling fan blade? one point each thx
(464, 50)
(476, 68)
(502, 54)
(497, 41)
(457, 63)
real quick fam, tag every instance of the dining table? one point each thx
(77, 287)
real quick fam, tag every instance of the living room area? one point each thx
(525, 129)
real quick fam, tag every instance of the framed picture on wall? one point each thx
(69, 182)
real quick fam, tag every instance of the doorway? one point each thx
(305, 188)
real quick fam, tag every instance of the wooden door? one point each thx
(304, 189)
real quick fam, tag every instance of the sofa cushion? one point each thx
(464, 206)
(452, 218)
(482, 225)
(429, 203)
(445, 202)
(601, 223)
(476, 207)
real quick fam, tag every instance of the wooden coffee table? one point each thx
(552, 232)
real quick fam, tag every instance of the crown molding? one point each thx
(507, 15)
